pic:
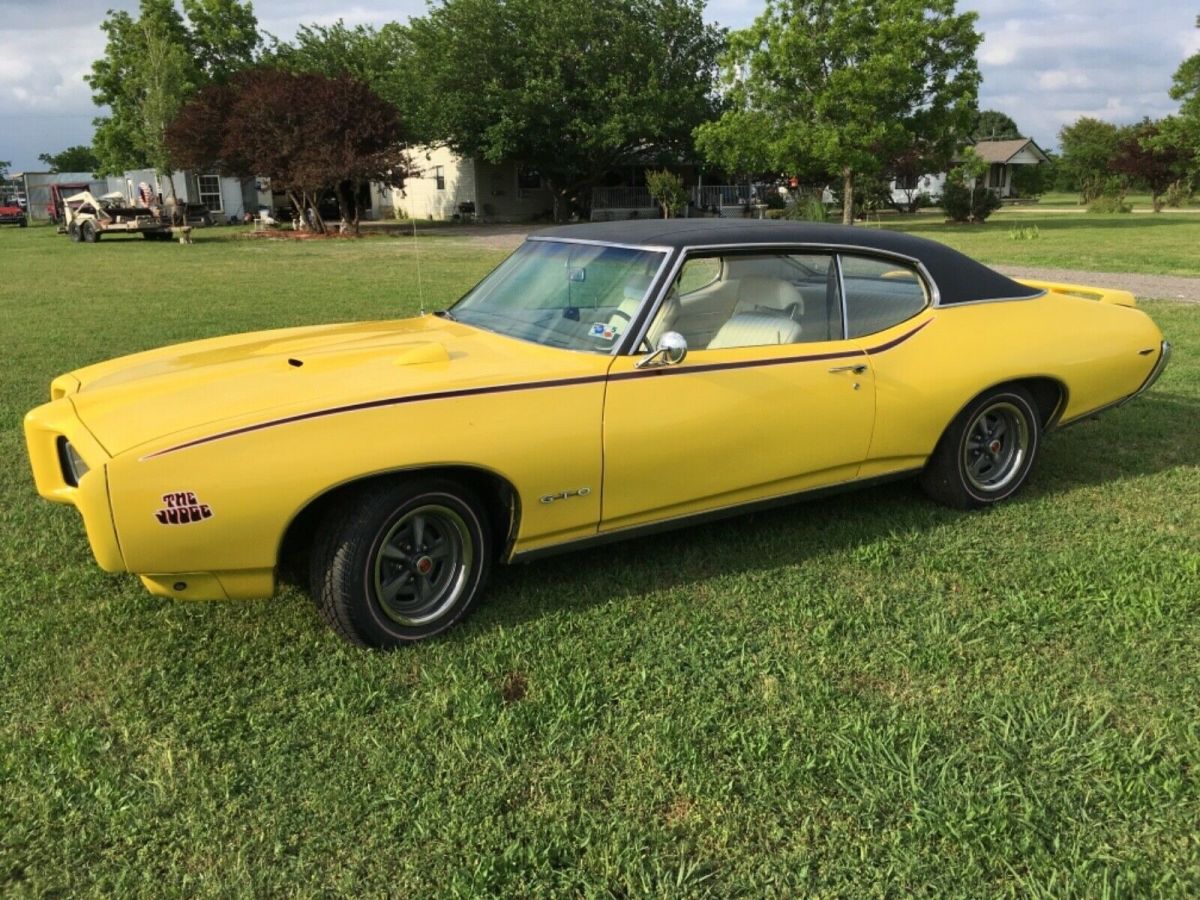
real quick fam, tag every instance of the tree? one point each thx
(152, 63)
(380, 58)
(571, 90)
(844, 86)
(224, 36)
(1148, 159)
(1088, 147)
(306, 132)
(1183, 130)
(74, 159)
(992, 125)
(666, 188)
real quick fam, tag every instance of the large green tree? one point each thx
(79, 158)
(1088, 148)
(993, 125)
(379, 57)
(843, 87)
(1183, 130)
(152, 63)
(570, 90)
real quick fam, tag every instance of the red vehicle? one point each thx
(12, 212)
(54, 209)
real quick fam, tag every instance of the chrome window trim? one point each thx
(638, 334)
(841, 276)
(1037, 296)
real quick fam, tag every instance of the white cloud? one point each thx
(1042, 63)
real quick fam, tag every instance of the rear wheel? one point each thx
(89, 233)
(988, 451)
(73, 232)
(401, 562)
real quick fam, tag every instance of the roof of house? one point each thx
(959, 278)
(1003, 151)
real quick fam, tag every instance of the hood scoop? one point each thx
(414, 354)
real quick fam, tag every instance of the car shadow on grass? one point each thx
(1133, 442)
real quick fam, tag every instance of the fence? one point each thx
(622, 202)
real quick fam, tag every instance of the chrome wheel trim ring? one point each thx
(995, 447)
(422, 565)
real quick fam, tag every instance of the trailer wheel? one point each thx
(89, 232)
(73, 231)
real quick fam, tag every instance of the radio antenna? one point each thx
(417, 253)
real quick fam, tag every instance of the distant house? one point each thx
(448, 186)
(226, 198)
(1002, 158)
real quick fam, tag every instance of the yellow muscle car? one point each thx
(603, 379)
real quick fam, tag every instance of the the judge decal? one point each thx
(182, 508)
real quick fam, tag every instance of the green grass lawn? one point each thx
(861, 696)
(1071, 198)
(1161, 245)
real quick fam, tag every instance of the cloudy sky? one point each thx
(1044, 62)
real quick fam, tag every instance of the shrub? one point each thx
(1109, 203)
(806, 210)
(1024, 233)
(1179, 193)
(961, 206)
(667, 190)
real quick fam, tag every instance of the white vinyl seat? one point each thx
(758, 293)
(756, 329)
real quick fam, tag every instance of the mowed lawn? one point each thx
(1163, 244)
(867, 695)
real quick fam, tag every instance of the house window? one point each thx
(208, 187)
(907, 182)
(439, 177)
(528, 179)
(996, 176)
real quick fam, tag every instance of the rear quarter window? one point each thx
(880, 293)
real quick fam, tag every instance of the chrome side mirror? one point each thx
(671, 349)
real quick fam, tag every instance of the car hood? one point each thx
(262, 376)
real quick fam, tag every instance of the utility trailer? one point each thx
(86, 218)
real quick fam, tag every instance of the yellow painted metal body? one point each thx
(256, 427)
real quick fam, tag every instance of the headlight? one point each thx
(73, 466)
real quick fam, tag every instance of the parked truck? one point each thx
(86, 218)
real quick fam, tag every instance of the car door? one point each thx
(770, 399)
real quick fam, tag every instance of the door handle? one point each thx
(857, 369)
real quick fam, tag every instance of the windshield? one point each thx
(563, 294)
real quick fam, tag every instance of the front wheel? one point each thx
(89, 233)
(988, 451)
(401, 562)
(73, 232)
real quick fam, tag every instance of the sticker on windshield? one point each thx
(603, 331)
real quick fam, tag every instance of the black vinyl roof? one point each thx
(959, 278)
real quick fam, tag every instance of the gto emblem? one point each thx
(182, 509)
(566, 495)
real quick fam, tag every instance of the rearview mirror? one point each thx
(671, 349)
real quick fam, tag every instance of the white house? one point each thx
(1001, 156)
(447, 186)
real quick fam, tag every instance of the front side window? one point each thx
(563, 294)
(720, 302)
(208, 187)
(879, 294)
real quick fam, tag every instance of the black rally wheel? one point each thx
(988, 451)
(400, 561)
